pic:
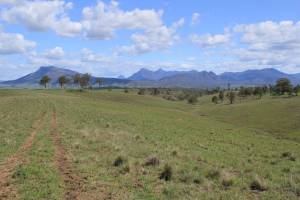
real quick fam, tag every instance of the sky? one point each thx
(113, 38)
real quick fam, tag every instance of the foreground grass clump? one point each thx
(258, 184)
(167, 173)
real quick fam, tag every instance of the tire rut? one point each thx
(7, 167)
(73, 182)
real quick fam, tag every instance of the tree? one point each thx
(62, 80)
(283, 86)
(297, 89)
(99, 81)
(76, 79)
(192, 99)
(142, 91)
(258, 91)
(45, 80)
(214, 99)
(85, 80)
(221, 95)
(231, 97)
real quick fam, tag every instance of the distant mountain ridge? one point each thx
(209, 79)
(162, 78)
(148, 75)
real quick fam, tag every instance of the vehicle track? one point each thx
(73, 182)
(8, 191)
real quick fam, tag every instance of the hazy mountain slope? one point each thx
(148, 75)
(54, 73)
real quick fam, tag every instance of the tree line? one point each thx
(282, 86)
(82, 81)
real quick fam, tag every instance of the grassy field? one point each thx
(112, 145)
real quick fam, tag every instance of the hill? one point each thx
(115, 145)
(54, 73)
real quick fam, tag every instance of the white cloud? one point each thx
(208, 40)
(11, 43)
(7, 2)
(42, 15)
(160, 38)
(195, 19)
(101, 21)
(88, 55)
(270, 43)
(55, 53)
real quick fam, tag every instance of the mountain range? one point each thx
(163, 78)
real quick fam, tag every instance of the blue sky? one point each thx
(112, 38)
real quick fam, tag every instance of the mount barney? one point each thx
(162, 78)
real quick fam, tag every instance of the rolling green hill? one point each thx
(112, 145)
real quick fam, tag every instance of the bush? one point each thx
(258, 184)
(119, 161)
(166, 174)
(142, 91)
(214, 99)
(126, 90)
(227, 179)
(192, 99)
(213, 174)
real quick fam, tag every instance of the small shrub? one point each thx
(192, 99)
(286, 154)
(107, 125)
(119, 161)
(198, 180)
(141, 91)
(166, 174)
(174, 153)
(227, 180)
(213, 174)
(152, 161)
(258, 184)
(126, 90)
(289, 156)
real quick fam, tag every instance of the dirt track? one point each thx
(73, 182)
(7, 191)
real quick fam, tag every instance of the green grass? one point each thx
(215, 151)
(39, 178)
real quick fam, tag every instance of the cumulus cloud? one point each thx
(55, 53)
(160, 38)
(103, 20)
(195, 19)
(41, 15)
(270, 43)
(99, 22)
(208, 40)
(11, 43)
(88, 55)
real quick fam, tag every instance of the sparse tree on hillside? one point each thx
(231, 96)
(99, 81)
(142, 91)
(85, 80)
(258, 91)
(283, 86)
(297, 89)
(76, 79)
(62, 80)
(221, 95)
(192, 99)
(45, 80)
(214, 99)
